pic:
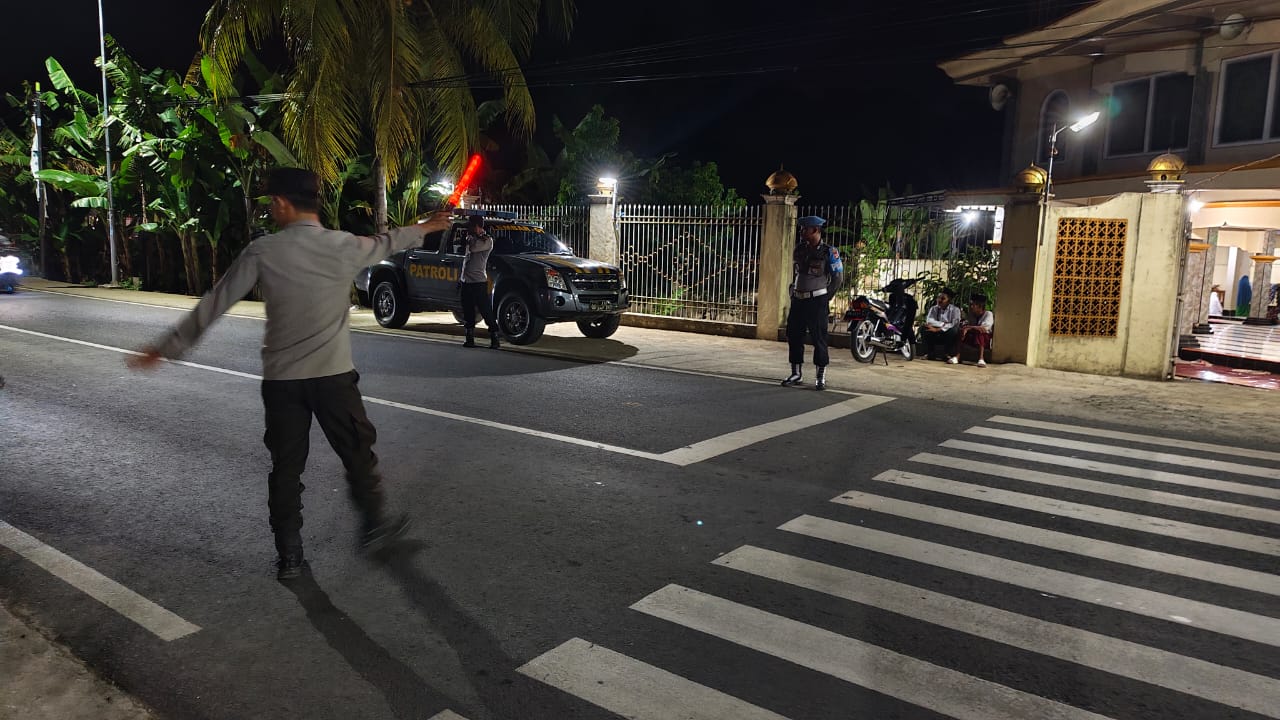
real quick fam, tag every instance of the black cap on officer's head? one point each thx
(293, 181)
(811, 221)
(475, 222)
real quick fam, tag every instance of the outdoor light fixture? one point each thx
(607, 186)
(969, 216)
(1194, 205)
(1077, 126)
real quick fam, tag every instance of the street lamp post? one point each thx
(1076, 127)
(106, 135)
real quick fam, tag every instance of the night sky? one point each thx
(861, 101)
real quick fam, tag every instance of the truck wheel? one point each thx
(389, 305)
(601, 327)
(517, 321)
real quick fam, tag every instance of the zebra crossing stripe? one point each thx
(1157, 497)
(634, 689)
(1228, 686)
(917, 682)
(1080, 511)
(1114, 469)
(1217, 466)
(1065, 542)
(1138, 438)
(1148, 603)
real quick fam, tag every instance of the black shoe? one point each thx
(290, 566)
(381, 535)
(471, 342)
(494, 343)
(820, 384)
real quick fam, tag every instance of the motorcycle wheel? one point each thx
(907, 351)
(859, 342)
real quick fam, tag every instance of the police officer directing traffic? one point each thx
(474, 283)
(818, 274)
(304, 272)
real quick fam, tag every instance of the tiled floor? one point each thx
(1202, 370)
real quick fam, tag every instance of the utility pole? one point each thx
(106, 135)
(37, 164)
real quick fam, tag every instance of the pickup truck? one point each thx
(534, 279)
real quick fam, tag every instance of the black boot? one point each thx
(494, 342)
(820, 383)
(796, 377)
(290, 565)
(471, 339)
(380, 533)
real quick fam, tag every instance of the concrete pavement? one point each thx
(44, 680)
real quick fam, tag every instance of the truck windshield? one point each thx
(518, 239)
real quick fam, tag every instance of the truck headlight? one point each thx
(555, 281)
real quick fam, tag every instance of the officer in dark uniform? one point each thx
(818, 274)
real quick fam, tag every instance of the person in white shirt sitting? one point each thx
(942, 327)
(978, 324)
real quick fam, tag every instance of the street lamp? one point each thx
(1076, 127)
(608, 186)
(106, 136)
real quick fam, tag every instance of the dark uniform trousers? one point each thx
(808, 315)
(336, 404)
(475, 296)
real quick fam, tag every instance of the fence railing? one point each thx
(570, 223)
(693, 262)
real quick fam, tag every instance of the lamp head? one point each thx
(1085, 121)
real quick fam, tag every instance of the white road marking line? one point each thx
(1139, 601)
(634, 689)
(1158, 497)
(1127, 452)
(164, 624)
(729, 442)
(1088, 513)
(446, 715)
(913, 681)
(1229, 686)
(1138, 438)
(1114, 469)
(681, 457)
(1054, 540)
(419, 336)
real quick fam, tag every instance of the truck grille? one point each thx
(595, 283)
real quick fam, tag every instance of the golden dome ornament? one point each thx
(781, 182)
(1032, 179)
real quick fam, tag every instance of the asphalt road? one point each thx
(598, 540)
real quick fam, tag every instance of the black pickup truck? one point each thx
(534, 279)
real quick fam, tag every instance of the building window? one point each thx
(1247, 102)
(1053, 114)
(1149, 115)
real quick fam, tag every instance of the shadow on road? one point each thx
(505, 694)
(406, 693)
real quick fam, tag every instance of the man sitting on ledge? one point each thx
(942, 327)
(978, 324)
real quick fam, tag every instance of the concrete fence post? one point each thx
(602, 234)
(777, 243)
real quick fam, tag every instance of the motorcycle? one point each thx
(10, 273)
(875, 325)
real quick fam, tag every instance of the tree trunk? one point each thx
(191, 263)
(379, 194)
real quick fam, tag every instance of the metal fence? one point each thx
(694, 262)
(570, 223)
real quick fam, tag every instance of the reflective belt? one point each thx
(806, 295)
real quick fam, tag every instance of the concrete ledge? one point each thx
(706, 327)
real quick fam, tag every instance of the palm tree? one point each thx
(393, 70)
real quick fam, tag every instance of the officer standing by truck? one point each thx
(474, 282)
(818, 274)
